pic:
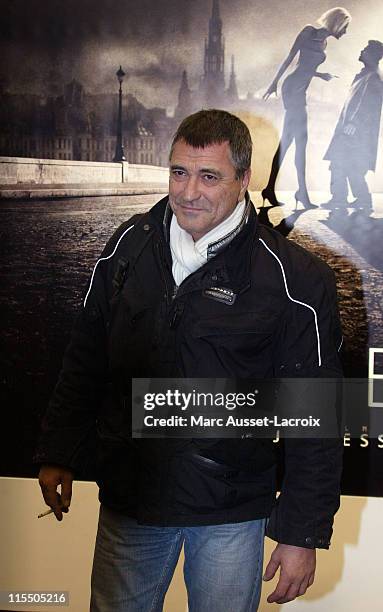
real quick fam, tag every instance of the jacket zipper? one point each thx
(169, 293)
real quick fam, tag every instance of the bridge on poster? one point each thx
(42, 179)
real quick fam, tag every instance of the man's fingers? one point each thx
(295, 590)
(52, 499)
(270, 570)
(286, 590)
(290, 595)
(311, 579)
(57, 508)
(304, 586)
(281, 590)
(66, 491)
(49, 491)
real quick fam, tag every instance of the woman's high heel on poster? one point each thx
(269, 195)
(304, 199)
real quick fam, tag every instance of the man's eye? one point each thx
(210, 178)
(178, 173)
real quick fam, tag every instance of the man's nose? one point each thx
(191, 191)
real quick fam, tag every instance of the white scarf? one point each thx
(188, 255)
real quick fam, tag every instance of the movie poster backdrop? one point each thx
(323, 189)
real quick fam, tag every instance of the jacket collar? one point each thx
(229, 259)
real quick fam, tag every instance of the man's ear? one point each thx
(245, 180)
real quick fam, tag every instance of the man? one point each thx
(196, 288)
(354, 146)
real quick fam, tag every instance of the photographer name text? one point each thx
(230, 421)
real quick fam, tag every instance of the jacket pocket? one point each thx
(240, 343)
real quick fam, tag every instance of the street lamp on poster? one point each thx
(119, 154)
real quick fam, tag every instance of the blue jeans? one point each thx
(134, 564)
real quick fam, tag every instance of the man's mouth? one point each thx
(190, 208)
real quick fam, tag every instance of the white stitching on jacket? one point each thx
(103, 259)
(296, 301)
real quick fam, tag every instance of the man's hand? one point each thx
(297, 571)
(326, 76)
(50, 476)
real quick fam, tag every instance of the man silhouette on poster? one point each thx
(354, 145)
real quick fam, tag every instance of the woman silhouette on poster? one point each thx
(310, 44)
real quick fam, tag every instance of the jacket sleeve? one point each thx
(310, 491)
(68, 430)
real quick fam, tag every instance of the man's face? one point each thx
(366, 56)
(363, 54)
(203, 190)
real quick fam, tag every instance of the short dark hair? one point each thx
(213, 126)
(376, 48)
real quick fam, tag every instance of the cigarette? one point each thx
(45, 513)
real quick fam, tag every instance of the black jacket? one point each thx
(283, 322)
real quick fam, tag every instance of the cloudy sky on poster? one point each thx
(154, 40)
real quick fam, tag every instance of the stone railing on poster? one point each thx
(27, 171)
